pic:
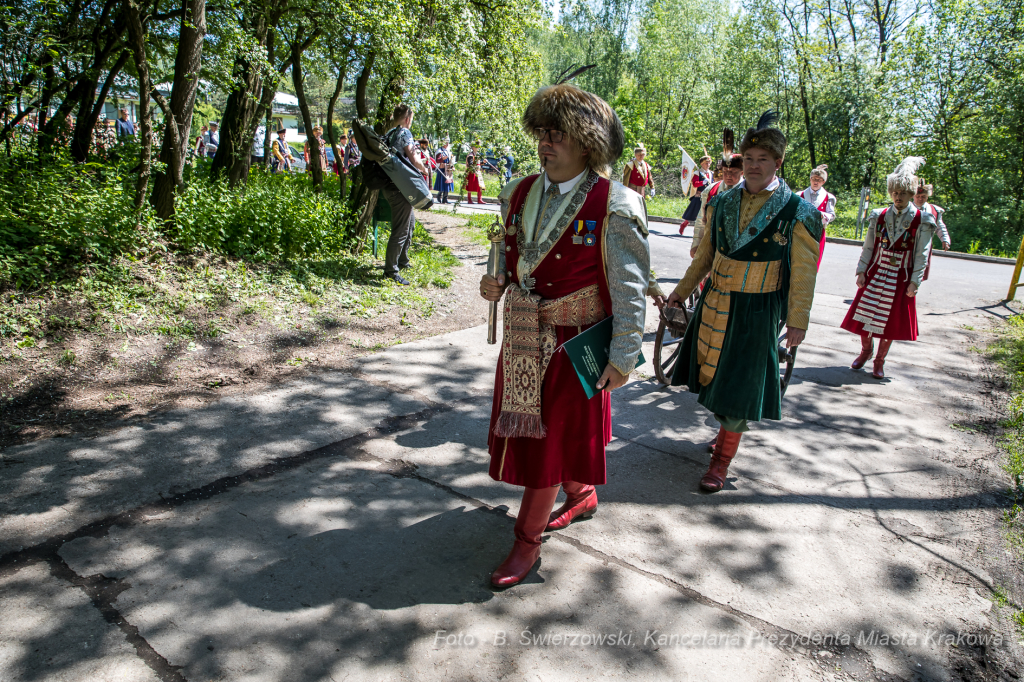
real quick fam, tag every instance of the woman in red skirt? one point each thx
(891, 267)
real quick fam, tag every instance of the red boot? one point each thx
(867, 347)
(532, 519)
(883, 350)
(580, 502)
(682, 226)
(714, 444)
(728, 443)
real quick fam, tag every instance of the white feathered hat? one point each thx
(904, 178)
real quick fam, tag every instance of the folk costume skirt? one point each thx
(473, 183)
(746, 382)
(693, 210)
(882, 308)
(577, 430)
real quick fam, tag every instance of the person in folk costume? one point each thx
(823, 200)
(891, 268)
(636, 175)
(426, 158)
(473, 181)
(731, 165)
(761, 250)
(921, 197)
(444, 181)
(576, 252)
(701, 180)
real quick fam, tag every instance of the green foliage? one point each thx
(276, 217)
(60, 215)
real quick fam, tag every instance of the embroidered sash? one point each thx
(527, 345)
(729, 276)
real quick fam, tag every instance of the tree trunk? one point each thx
(339, 154)
(807, 119)
(178, 112)
(137, 39)
(236, 137)
(89, 107)
(313, 166)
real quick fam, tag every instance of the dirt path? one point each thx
(117, 379)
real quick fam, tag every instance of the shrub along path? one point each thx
(141, 337)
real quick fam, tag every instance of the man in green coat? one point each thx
(762, 253)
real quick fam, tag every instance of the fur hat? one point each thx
(924, 186)
(904, 178)
(735, 162)
(583, 116)
(764, 136)
(639, 148)
(820, 172)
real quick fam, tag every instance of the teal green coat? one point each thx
(746, 382)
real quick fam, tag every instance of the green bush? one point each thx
(61, 215)
(275, 217)
(58, 217)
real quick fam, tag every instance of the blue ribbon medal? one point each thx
(590, 239)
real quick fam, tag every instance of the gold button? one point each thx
(509, 273)
(766, 240)
(549, 283)
(755, 254)
(508, 248)
(558, 256)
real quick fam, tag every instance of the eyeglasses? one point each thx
(555, 136)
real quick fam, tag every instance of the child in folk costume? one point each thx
(473, 182)
(924, 192)
(702, 178)
(636, 175)
(444, 182)
(891, 268)
(822, 200)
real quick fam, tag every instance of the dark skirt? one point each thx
(693, 209)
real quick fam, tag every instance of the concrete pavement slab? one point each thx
(51, 632)
(55, 486)
(342, 572)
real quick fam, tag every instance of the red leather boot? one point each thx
(714, 444)
(728, 443)
(883, 350)
(867, 347)
(533, 518)
(580, 502)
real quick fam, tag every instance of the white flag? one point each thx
(686, 170)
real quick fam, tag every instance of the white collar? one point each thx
(772, 186)
(567, 186)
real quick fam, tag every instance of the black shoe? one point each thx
(399, 280)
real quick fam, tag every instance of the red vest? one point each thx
(567, 267)
(906, 240)
(635, 178)
(824, 204)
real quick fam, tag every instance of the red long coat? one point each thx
(577, 429)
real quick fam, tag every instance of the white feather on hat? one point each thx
(904, 178)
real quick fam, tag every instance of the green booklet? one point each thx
(588, 352)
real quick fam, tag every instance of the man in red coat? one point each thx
(575, 252)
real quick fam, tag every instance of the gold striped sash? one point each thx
(729, 276)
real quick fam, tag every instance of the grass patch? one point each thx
(188, 296)
(667, 207)
(1008, 352)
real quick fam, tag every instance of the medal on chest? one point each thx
(513, 225)
(583, 232)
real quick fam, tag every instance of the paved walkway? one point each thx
(344, 527)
